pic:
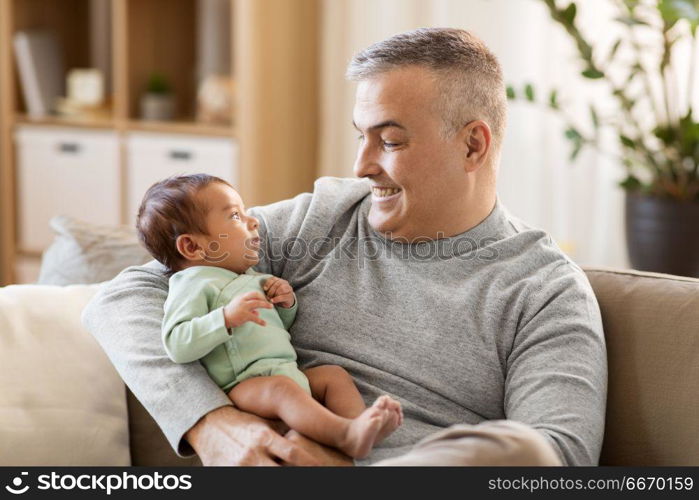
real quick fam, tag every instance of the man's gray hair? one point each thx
(469, 74)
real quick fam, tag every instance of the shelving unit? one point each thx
(271, 54)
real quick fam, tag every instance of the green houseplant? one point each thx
(660, 155)
(158, 101)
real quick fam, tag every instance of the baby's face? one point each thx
(232, 242)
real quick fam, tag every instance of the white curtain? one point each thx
(579, 203)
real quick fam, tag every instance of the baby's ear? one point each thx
(188, 247)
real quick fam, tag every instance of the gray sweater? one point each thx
(490, 324)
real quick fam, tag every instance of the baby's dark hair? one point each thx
(168, 210)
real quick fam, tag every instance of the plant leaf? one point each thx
(592, 73)
(631, 183)
(636, 69)
(510, 90)
(689, 136)
(529, 92)
(674, 10)
(631, 21)
(631, 4)
(576, 150)
(553, 99)
(612, 51)
(627, 142)
(666, 133)
(573, 134)
(569, 13)
(594, 116)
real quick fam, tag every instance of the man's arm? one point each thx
(125, 317)
(557, 370)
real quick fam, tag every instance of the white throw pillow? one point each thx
(88, 253)
(61, 401)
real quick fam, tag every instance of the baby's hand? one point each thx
(243, 309)
(279, 292)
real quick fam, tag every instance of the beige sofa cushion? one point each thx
(62, 401)
(651, 324)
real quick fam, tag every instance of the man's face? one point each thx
(418, 177)
(232, 242)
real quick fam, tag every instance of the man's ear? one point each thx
(189, 247)
(477, 138)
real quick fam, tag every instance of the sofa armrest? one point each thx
(651, 324)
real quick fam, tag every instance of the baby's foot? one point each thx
(364, 430)
(395, 419)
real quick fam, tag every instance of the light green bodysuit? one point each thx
(194, 328)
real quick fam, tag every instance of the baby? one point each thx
(235, 320)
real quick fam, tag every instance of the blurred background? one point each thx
(100, 98)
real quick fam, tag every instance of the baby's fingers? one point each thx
(270, 282)
(255, 298)
(284, 297)
(255, 318)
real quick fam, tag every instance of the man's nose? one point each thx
(366, 165)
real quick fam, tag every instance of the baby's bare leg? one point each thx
(280, 397)
(334, 387)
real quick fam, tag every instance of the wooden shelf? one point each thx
(181, 127)
(166, 127)
(66, 121)
(271, 51)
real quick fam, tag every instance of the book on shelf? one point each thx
(41, 71)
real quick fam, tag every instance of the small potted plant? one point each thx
(660, 156)
(158, 102)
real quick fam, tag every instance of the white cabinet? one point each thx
(65, 172)
(77, 172)
(153, 157)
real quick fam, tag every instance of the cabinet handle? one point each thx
(69, 147)
(181, 155)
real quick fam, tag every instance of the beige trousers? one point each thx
(495, 442)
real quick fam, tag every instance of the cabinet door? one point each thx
(153, 157)
(65, 172)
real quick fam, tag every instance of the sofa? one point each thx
(63, 403)
(651, 324)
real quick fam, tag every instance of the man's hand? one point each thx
(243, 309)
(279, 292)
(325, 455)
(227, 436)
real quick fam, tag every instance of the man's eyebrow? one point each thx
(384, 124)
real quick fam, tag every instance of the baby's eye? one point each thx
(235, 216)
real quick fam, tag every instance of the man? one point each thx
(415, 279)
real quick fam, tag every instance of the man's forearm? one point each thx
(125, 317)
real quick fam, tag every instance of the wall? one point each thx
(578, 203)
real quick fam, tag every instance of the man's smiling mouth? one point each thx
(384, 192)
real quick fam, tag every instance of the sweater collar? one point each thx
(494, 227)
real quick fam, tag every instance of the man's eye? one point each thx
(235, 215)
(390, 145)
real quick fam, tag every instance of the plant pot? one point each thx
(160, 107)
(662, 235)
